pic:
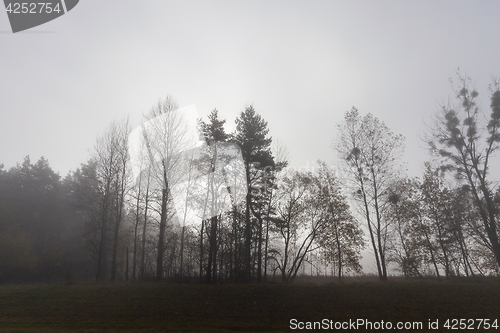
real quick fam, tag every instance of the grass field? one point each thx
(166, 307)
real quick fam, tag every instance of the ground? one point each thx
(171, 307)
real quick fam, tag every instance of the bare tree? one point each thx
(101, 185)
(119, 141)
(299, 219)
(107, 157)
(289, 222)
(141, 168)
(165, 135)
(370, 152)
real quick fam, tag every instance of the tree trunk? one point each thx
(370, 230)
(266, 247)
(201, 250)
(181, 272)
(134, 261)
(259, 253)
(136, 226)
(126, 265)
(115, 248)
(248, 237)
(339, 250)
(381, 249)
(433, 258)
(211, 266)
(161, 238)
(215, 250)
(101, 261)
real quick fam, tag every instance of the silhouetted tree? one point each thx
(408, 246)
(251, 135)
(466, 138)
(370, 152)
(165, 135)
(214, 133)
(340, 236)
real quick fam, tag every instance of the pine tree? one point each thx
(252, 136)
(214, 133)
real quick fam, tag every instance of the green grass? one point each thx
(164, 307)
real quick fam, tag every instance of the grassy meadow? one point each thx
(170, 307)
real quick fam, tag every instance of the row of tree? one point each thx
(445, 224)
(151, 204)
(158, 203)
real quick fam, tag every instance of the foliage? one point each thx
(311, 214)
(251, 135)
(465, 139)
(340, 237)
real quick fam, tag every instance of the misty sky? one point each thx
(301, 64)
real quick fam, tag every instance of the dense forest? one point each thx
(149, 204)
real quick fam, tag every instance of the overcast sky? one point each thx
(301, 64)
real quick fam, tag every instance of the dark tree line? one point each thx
(119, 218)
(154, 203)
(38, 225)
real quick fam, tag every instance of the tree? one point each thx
(311, 214)
(296, 221)
(31, 221)
(271, 178)
(340, 237)
(100, 187)
(408, 245)
(88, 202)
(111, 164)
(370, 152)
(165, 133)
(222, 188)
(214, 133)
(252, 136)
(466, 140)
(141, 193)
(105, 159)
(453, 220)
(118, 137)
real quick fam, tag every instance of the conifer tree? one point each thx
(252, 136)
